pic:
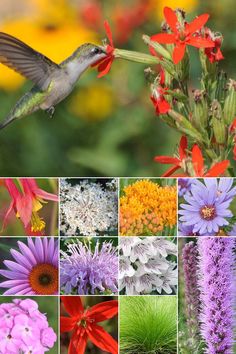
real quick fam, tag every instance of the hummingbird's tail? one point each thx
(10, 118)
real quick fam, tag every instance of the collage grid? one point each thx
(187, 258)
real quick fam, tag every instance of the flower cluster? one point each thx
(88, 208)
(26, 200)
(83, 271)
(204, 115)
(24, 329)
(34, 270)
(147, 265)
(209, 293)
(146, 208)
(206, 208)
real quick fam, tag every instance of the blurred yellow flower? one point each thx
(187, 5)
(94, 103)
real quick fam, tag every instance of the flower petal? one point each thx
(73, 305)
(167, 160)
(105, 66)
(178, 52)
(171, 18)
(66, 324)
(182, 147)
(104, 310)
(78, 343)
(163, 38)
(108, 32)
(218, 169)
(197, 160)
(170, 171)
(197, 23)
(24, 206)
(200, 42)
(102, 339)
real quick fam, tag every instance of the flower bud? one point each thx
(218, 124)
(230, 103)
(200, 109)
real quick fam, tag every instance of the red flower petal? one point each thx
(78, 342)
(200, 42)
(163, 106)
(73, 305)
(218, 169)
(171, 18)
(7, 215)
(197, 23)
(66, 324)
(105, 66)
(197, 160)
(104, 310)
(103, 340)
(108, 32)
(178, 52)
(24, 207)
(163, 38)
(167, 160)
(182, 147)
(170, 171)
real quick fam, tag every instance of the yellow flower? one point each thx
(147, 208)
(94, 103)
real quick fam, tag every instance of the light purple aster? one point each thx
(34, 270)
(24, 329)
(216, 283)
(184, 185)
(187, 230)
(206, 210)
(85, 272)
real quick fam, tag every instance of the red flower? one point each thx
(183, 34)
(83, 323)
(177, 162)
(213, 54)
(27, 203)
(198, 165)
(104, 65)
(158, 99)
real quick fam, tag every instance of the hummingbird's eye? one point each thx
(95, 51)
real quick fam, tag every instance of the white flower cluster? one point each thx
(145, 267)
(88, 208)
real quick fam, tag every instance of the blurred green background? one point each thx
(107, 126)
(48, 305)
(111, 325)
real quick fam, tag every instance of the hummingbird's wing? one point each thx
(28, 62)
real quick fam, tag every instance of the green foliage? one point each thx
(148, 325)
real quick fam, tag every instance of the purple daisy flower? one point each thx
(184, 185)
(206, 210)
(187, 230)
(35, 269)
(83, 271)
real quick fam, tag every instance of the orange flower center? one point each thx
(43, 279)
(208, 212)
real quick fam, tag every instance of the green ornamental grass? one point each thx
(148, 325)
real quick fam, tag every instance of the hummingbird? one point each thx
(52, 82)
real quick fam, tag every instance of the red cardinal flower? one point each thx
(198, 165)
(83, 324)
(27, 203)
(176, 161)
(104, 65)
(213, 54)
(158, 99)
(183, 35)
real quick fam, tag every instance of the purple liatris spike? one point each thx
(216, 273)
(83, 271)
(192, 293)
